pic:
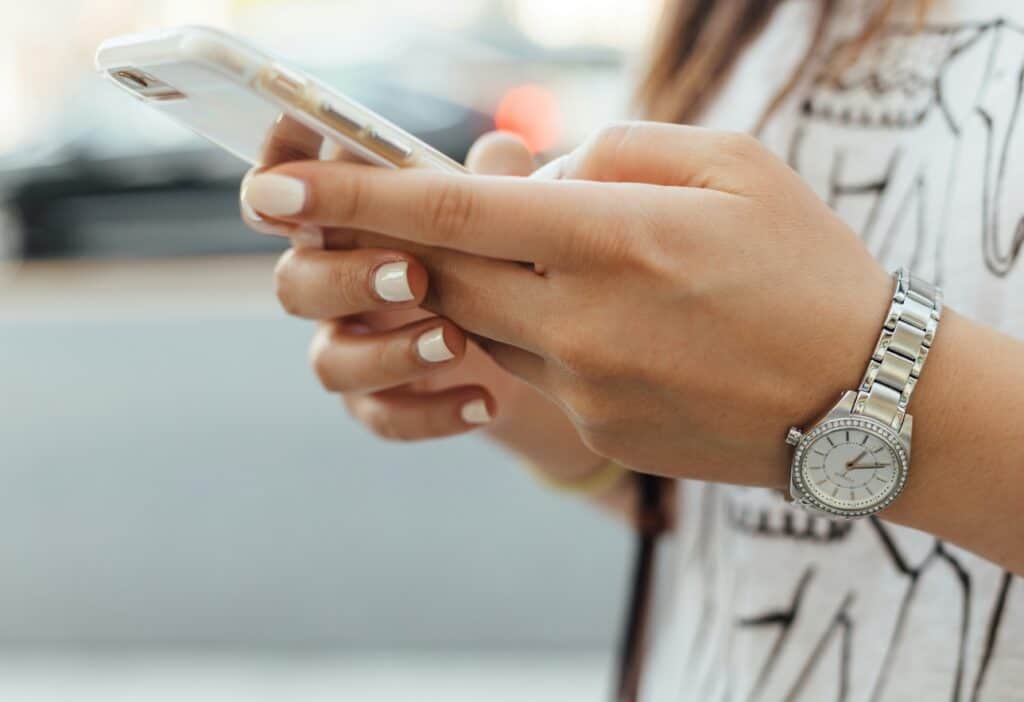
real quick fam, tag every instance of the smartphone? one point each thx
(251, 104)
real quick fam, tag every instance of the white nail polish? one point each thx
(431, 347)
(391, 281)
(260, 225)
(475, 412)
(275, 195)
(248, 212)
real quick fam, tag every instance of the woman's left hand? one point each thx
(694, 298)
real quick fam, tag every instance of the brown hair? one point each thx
(699, 41)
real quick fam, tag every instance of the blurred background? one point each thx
(183, 513)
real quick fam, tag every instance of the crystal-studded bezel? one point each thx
(877, 429)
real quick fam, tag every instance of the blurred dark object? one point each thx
(92, 197)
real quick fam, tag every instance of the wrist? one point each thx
(836, 363)
(856, 460)
(966, 485)
(944, 462)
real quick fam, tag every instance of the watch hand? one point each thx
(872, 465)
(850, 464)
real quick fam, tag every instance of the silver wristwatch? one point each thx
(855, 461)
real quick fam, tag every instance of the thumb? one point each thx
(500, 153)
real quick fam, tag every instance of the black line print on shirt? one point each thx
(947, 101)
(841, 625)
(994, 621)
(912, 573)
(790, 524)
(937, 556)
(782, 619)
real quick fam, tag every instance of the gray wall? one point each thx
(183, 481)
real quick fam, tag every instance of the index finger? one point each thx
(518, 219)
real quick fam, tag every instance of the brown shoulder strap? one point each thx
(651, 523)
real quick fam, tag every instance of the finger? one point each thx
(495, 153)
(301, 235)
(328, 284)
(407, 415)
(287, 140)
(368, 362)
(555, 169)
(523, 364)
(518, 219)
(471, 291)
(667, 154)
(494, 299)
(500, 153)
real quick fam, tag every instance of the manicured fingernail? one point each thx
(260, 225)
(249, 212)
(308, 238)
(475, 412)
(391, 281)
(431, 347)
(275, 195)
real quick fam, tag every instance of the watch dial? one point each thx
(851, 465)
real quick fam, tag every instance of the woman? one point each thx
(695, 294)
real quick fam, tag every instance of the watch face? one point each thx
(850, 467)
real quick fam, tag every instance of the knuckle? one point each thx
(348, 204)
(611, 136)
(397, 431)
(323, 368)
(436, 423)
(379, 421)
(601, 151)
(739, 146)
(373, 415)
(383, 422)
(401, 357)
(626, 240)
(388, 425)
(284, 283)
(450, 210)
(345, 281)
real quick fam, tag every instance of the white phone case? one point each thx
(250, 104)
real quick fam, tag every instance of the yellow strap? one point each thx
(593, 484)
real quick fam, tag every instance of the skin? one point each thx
(364, 349)
(696, 299)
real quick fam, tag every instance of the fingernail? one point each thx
(248, 212)
(275, 195)
(308, 238)
(391, 281)
(431, 347)
(475, 412)
(260, 225)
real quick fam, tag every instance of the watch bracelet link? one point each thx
(901, 351)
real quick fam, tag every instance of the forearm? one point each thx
(967, 480)
(551, 444)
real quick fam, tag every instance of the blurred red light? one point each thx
(531, 112)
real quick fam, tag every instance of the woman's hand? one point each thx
(403, 372)
(696, 298)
